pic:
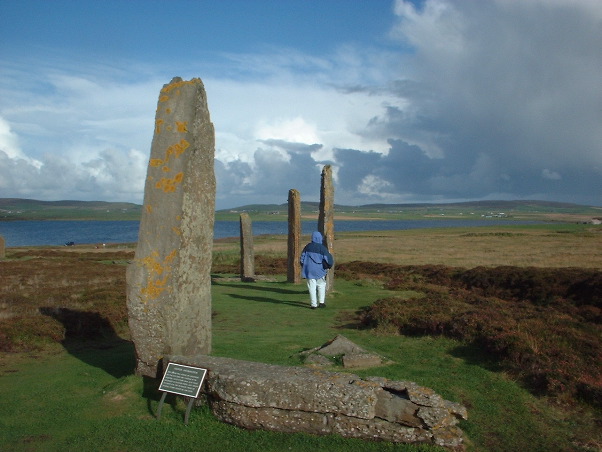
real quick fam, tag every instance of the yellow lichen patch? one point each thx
(182, 126)
(168, 110)
(149, 208)
(177, 230)
(174, 150)
(166, 169)
(171, 256)
(181, 147)
(158, 123)
(168, 88)
(157, 284)
(168, 185)
(163, 98)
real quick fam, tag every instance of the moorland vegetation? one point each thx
(519, 345)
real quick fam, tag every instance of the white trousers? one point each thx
(317, 290)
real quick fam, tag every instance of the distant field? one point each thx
(558, 245)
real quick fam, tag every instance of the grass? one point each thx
(61, 390)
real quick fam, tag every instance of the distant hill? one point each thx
(31, 209)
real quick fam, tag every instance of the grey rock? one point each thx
(359, 360)
(298, 399)
(247, 253)
(340, 345)
(169, 281)
(293, 271)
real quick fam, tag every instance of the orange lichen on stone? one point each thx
(166, 169)
(182, 126)
(149, 208)
(168, 185)
(157, 284)
(174, 150)
(177, 230)
(158, 123)
(171, 86)
(163, 98)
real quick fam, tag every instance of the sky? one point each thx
(409, 101)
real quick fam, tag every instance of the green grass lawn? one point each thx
(87, 398)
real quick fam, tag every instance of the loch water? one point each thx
(53, 233)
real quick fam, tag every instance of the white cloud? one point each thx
(551, 175)
(477, 98)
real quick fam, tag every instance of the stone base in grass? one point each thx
(300, 399)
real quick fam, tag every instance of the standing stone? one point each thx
(294, 237)
(169, 281)
(2, 248)
(326, 218)
(247, 255)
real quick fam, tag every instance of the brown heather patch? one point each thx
(545, 325)
(50, 295)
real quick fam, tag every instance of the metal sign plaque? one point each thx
(183, 380)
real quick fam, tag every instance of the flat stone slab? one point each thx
(299, 399)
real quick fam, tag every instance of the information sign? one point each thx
(183, 380)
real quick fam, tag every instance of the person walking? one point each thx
(315, 262)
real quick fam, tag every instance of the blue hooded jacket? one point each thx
(313, 256)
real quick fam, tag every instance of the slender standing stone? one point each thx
(2, 248)
(326, 218)
(294, 236)
(247, 255)
(169, 281)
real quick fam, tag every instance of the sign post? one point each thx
(182, 380)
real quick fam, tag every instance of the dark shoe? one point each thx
(322, 305)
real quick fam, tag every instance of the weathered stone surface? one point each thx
(352, 355)
(169, 286)
(358, 360)
(340, 345)
(315, 359)
(296, 399)
(293, 273)
(326, 218)
(2, 248)
(247, 253)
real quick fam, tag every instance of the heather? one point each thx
(543, 324)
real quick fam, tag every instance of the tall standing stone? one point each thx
(247, 254)
(2, 248)
(326, 218)
(294, 236)
(169, 281)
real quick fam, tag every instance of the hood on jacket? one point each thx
(316, 237)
